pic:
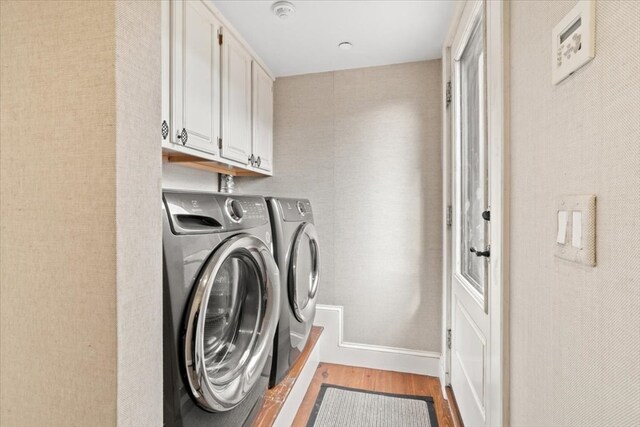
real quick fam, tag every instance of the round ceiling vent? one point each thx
(283, 9)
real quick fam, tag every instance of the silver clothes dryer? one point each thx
(221, 304)
(298, 256)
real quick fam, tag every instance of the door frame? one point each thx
(497, 92)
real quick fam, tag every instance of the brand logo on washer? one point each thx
(267, 237)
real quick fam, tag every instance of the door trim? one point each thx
(497, 66)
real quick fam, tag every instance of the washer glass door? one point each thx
(230, 322)
(304, 270)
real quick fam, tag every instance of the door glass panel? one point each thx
(233, 317)
(473, 165)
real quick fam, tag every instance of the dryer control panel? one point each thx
(201, 213)
(296, 209)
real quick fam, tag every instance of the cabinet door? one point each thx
(236, 100)
(262, 118)
(195, 94)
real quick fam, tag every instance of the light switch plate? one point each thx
(579, 230)
(573, 40)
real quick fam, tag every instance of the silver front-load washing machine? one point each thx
(221, 308)
(298, 256)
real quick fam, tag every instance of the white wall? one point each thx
(575, 330)
(364, 146)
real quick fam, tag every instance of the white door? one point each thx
(195, 67)
(471, 247)
(262, 119)
(236, 100)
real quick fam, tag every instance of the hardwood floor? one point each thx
(454, 407)
(375, 380)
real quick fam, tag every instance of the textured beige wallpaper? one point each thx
(364, 146)
(138, 217)
(80, 252)
(575, 330)
(58, 200)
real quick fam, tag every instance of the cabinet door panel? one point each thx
(236, 100)
(262, 118)
(196, 64)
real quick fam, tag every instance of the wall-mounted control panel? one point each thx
(576, 229)
(573, 40)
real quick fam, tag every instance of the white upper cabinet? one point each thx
(262, 119)
(217, 97)
(236, 100)
(195, 68)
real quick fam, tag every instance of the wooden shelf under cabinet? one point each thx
(208, 165)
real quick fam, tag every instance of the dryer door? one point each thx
(230, 322)
(304, 267)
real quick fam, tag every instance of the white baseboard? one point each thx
(296, 395)
(333, 349)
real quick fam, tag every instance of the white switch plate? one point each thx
(573, 40)
(576, 217)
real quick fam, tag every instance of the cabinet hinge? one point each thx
(448, 94)
(219, 143)
(220, 38)
(449, 339)
(449, 216)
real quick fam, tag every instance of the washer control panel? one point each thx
(234, 209)
(248, 211)
(203, 213)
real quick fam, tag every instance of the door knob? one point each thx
(486, 253)
(183, 136)
(486, 215)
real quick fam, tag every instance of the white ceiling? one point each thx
(382, 32)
